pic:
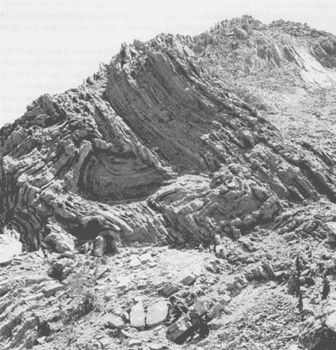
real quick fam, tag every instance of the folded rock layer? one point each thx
(155, 149)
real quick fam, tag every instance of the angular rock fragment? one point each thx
(215, 310)
(330, 227)
(99, 246)
(124, 281)
(112, 321)
(188, 280)
(51, 289)
(135, 262)
(215, 325)
(225, 299)
(169, 289)
(138, 316)
(60, 241)
(157, 313)
(146, 258)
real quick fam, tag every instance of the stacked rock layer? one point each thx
(154, 150)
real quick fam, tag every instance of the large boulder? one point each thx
(59, 240)
(157, 313)
(138, 316)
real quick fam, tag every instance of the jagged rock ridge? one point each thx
(156, 149)
(171, 143)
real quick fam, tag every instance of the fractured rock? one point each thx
(77, 154)
(112, 321)
(138, 316)
(225, 299)
(59, 240)
(99, 246)
(178, 329)
(188, 280)
(156, 150)
(215, 310)
(157, 313)
(124, 281)
(169, 289)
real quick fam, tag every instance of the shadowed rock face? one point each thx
(156, 148)
(115, 177)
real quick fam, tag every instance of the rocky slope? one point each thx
(173, 143)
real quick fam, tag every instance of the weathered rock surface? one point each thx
(58, 239)
(162, 147)
(112, 321)
(157, 313)
(138, 316)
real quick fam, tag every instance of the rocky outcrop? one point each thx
(157, 150)
(320, 331)
(59, 240)
(163, 149)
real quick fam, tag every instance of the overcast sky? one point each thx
(49, 46)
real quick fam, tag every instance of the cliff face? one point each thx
(158, 150)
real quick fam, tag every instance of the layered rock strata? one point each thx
(155, 150)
